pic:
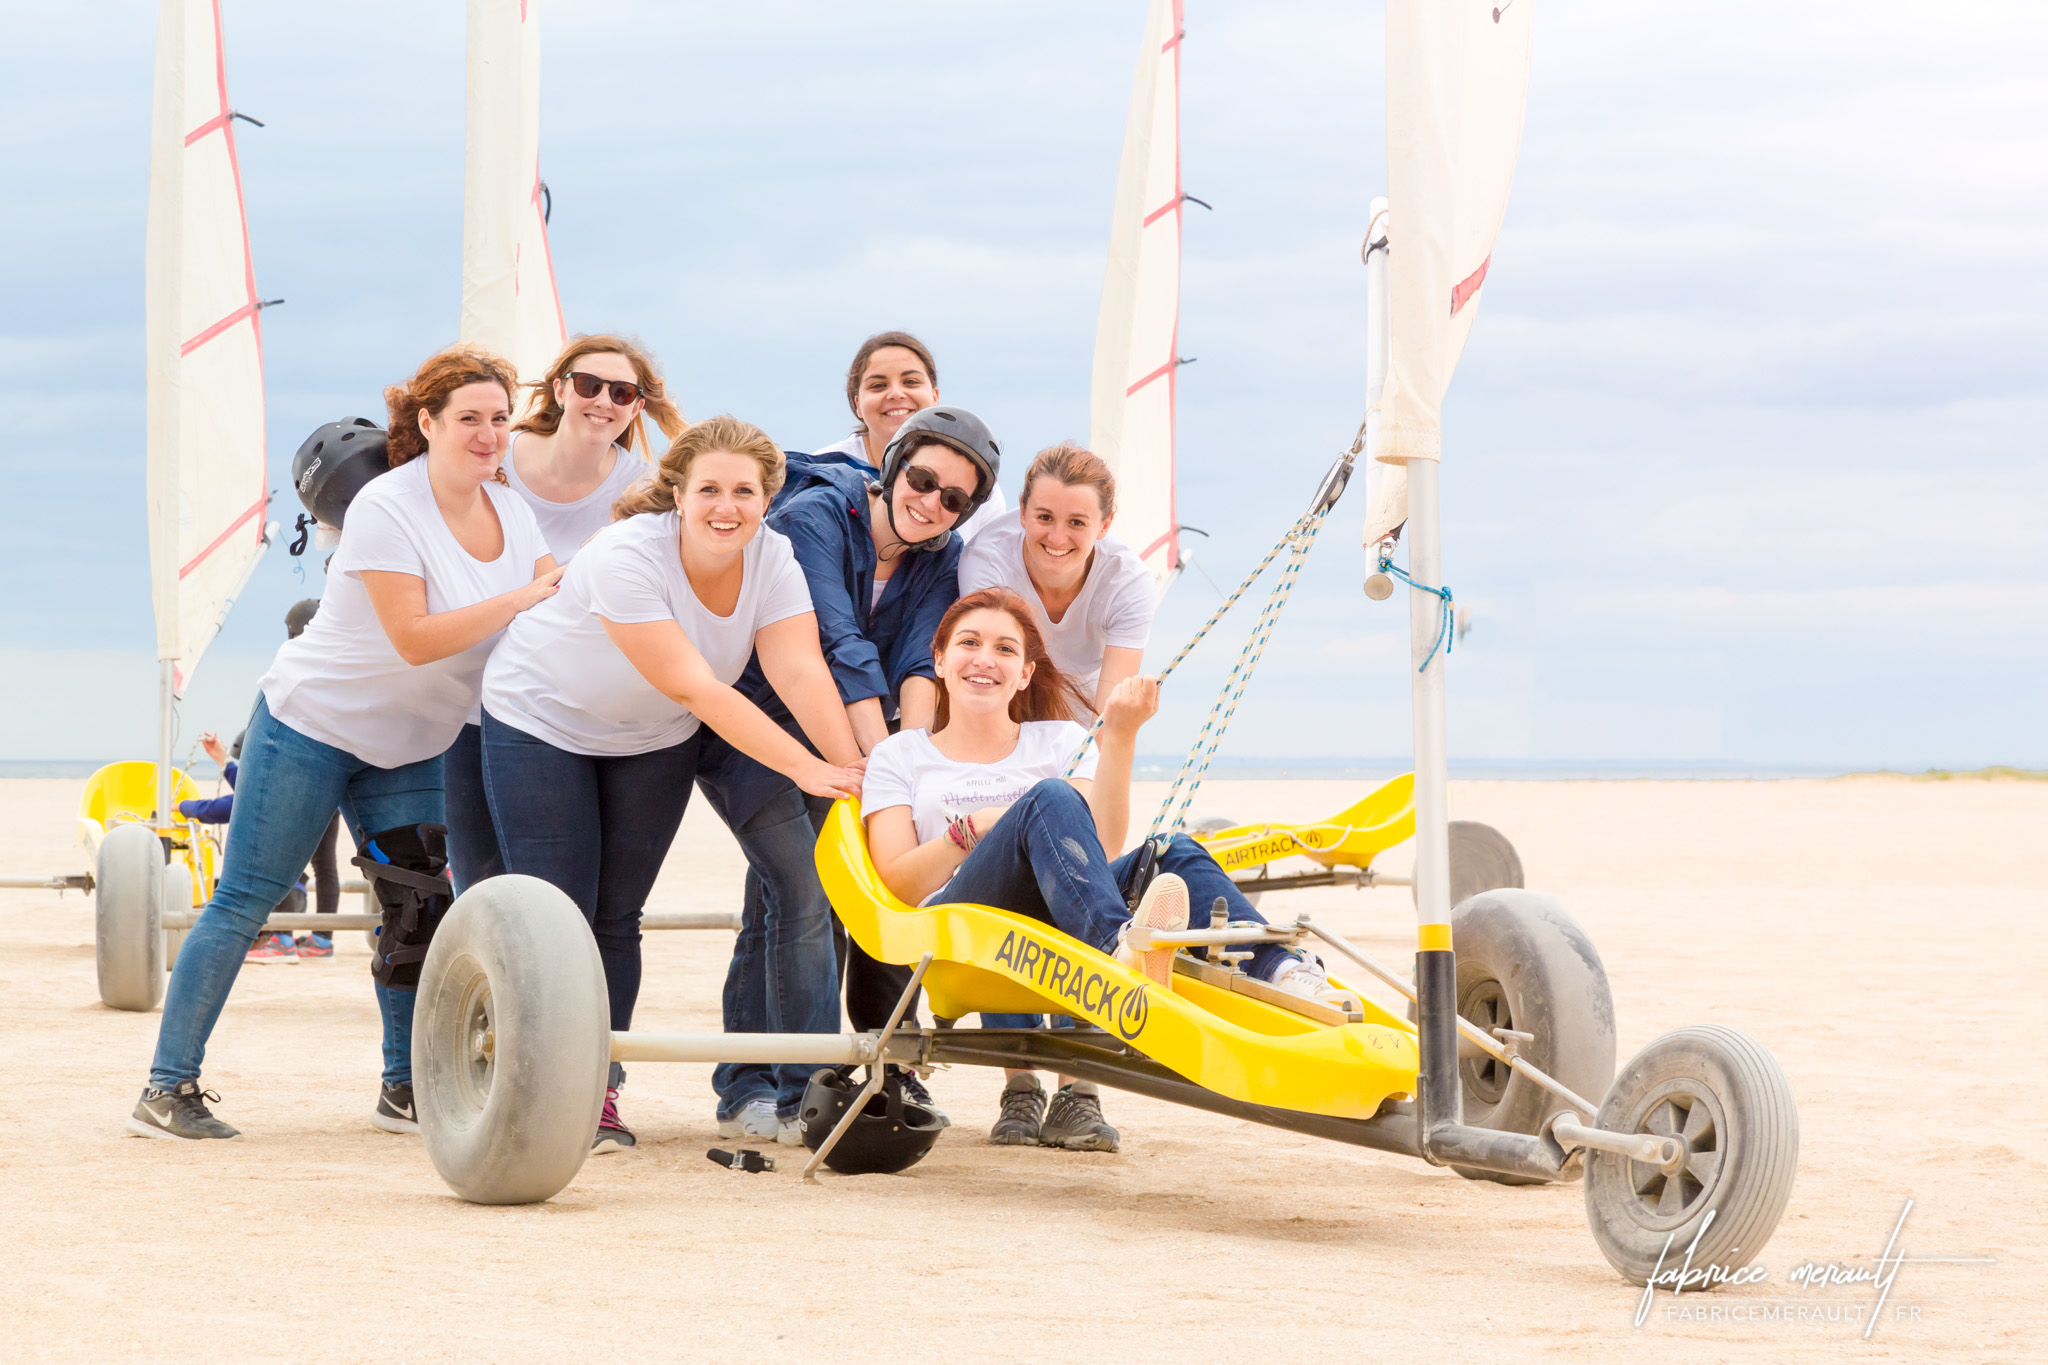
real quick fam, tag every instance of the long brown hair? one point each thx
(1069, 464)
(430, 389)
(724, 432)
(880, 341)
(544, 413)
(1050, 695)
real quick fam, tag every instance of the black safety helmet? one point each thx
(334, 464)
(957, 429)
(300, 616)
(890, 1135)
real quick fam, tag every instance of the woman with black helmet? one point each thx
(569, 458)
(882, 559)
(892, 376)
(436, 558)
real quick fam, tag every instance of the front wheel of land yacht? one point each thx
(1728, 1103)
(128, 901)
(510, 1044)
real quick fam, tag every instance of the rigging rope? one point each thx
(1299, 538)
(1447, 608)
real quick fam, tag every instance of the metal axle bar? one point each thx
(77, 881)
(809, 1049)
(1644, 1147)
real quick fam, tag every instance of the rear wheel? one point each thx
(511, 1042)
(128, 899)
(1482, 859)
(1728, 1103)
(1525, 964)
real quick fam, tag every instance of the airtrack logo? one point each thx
(1054, 972)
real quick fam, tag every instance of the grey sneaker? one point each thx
(179, 1114)
(394, 1112)
(1074, 1121)
(915, 1093)
(1023, 1113)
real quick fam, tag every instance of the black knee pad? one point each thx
(408, 869)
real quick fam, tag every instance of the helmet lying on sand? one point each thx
(892, 1134)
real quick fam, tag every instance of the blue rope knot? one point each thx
(1447, 614)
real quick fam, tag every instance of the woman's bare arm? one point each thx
(421, 637)
(909, 869)
(796, 669)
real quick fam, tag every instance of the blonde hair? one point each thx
(544, 413)
(722, 433)
(429, 390)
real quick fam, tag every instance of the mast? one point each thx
(204, 338)
(1457, 84)
(509, 301)
(1137, 333)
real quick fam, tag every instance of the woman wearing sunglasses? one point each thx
(436, 558)
(596, 711)
(892, 376)
(883, 563)
(1091, 601)
(571, 457)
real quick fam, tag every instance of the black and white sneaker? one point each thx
(915, 1093)
(394, 1111)
(179, 1114)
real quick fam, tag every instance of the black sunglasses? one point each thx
(589, 385)
(922, 481)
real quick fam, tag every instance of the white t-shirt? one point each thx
(856, 445)
(1114, 608)
(559, 677)
(907, 769)
(567, 525)
(342, 682)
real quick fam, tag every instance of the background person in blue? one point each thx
(879, 550)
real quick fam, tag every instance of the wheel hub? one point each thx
(1486, 1004)
(1668, 1196)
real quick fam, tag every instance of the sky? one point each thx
(1743, 463)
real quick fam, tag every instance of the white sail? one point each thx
(1457, 82)
(1137, 334)
(205, 346)
(509, 303)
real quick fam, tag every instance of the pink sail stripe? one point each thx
(247, 310)
(1165, 369)
(222, 538)
(1469, 286)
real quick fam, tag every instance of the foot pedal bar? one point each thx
(877, 1072)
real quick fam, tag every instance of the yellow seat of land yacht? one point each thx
(125, 792)
(1352, 837)
(989, 960)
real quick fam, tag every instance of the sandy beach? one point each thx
(1881, 936)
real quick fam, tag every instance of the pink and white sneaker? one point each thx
(273, 948)
(1163, 906)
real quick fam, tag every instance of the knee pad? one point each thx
(408, 869)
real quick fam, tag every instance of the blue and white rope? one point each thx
(1446, 632)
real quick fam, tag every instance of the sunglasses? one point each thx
(922, 480)
(589, 386)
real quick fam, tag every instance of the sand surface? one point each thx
(1882, 937)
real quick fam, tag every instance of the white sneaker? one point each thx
(1306, 978)
(1163, 906)
(790, 1133)
(756, 1119)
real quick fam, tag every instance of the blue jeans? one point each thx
(596, 827)
(288, 789)
(473, 854)
(1044, 859)
(784, 976)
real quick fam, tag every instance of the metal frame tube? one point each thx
(166, 718)
(808, 1049)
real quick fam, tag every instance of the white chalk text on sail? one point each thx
(509, 301)
(1137, 334)
(205, 346)
(1457, 83)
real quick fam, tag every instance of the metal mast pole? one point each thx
(166, 720)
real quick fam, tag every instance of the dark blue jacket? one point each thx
(213, 810)
(823, 509)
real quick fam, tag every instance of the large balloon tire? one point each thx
(1482, 859)
(1725, 1097)
(511, 1043)
(178, 899)
(1525, 964)
(128, 902)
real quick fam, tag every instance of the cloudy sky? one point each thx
(1744, 461)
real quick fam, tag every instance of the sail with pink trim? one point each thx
(509, 301)
(1137, 332)
(206, 469)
